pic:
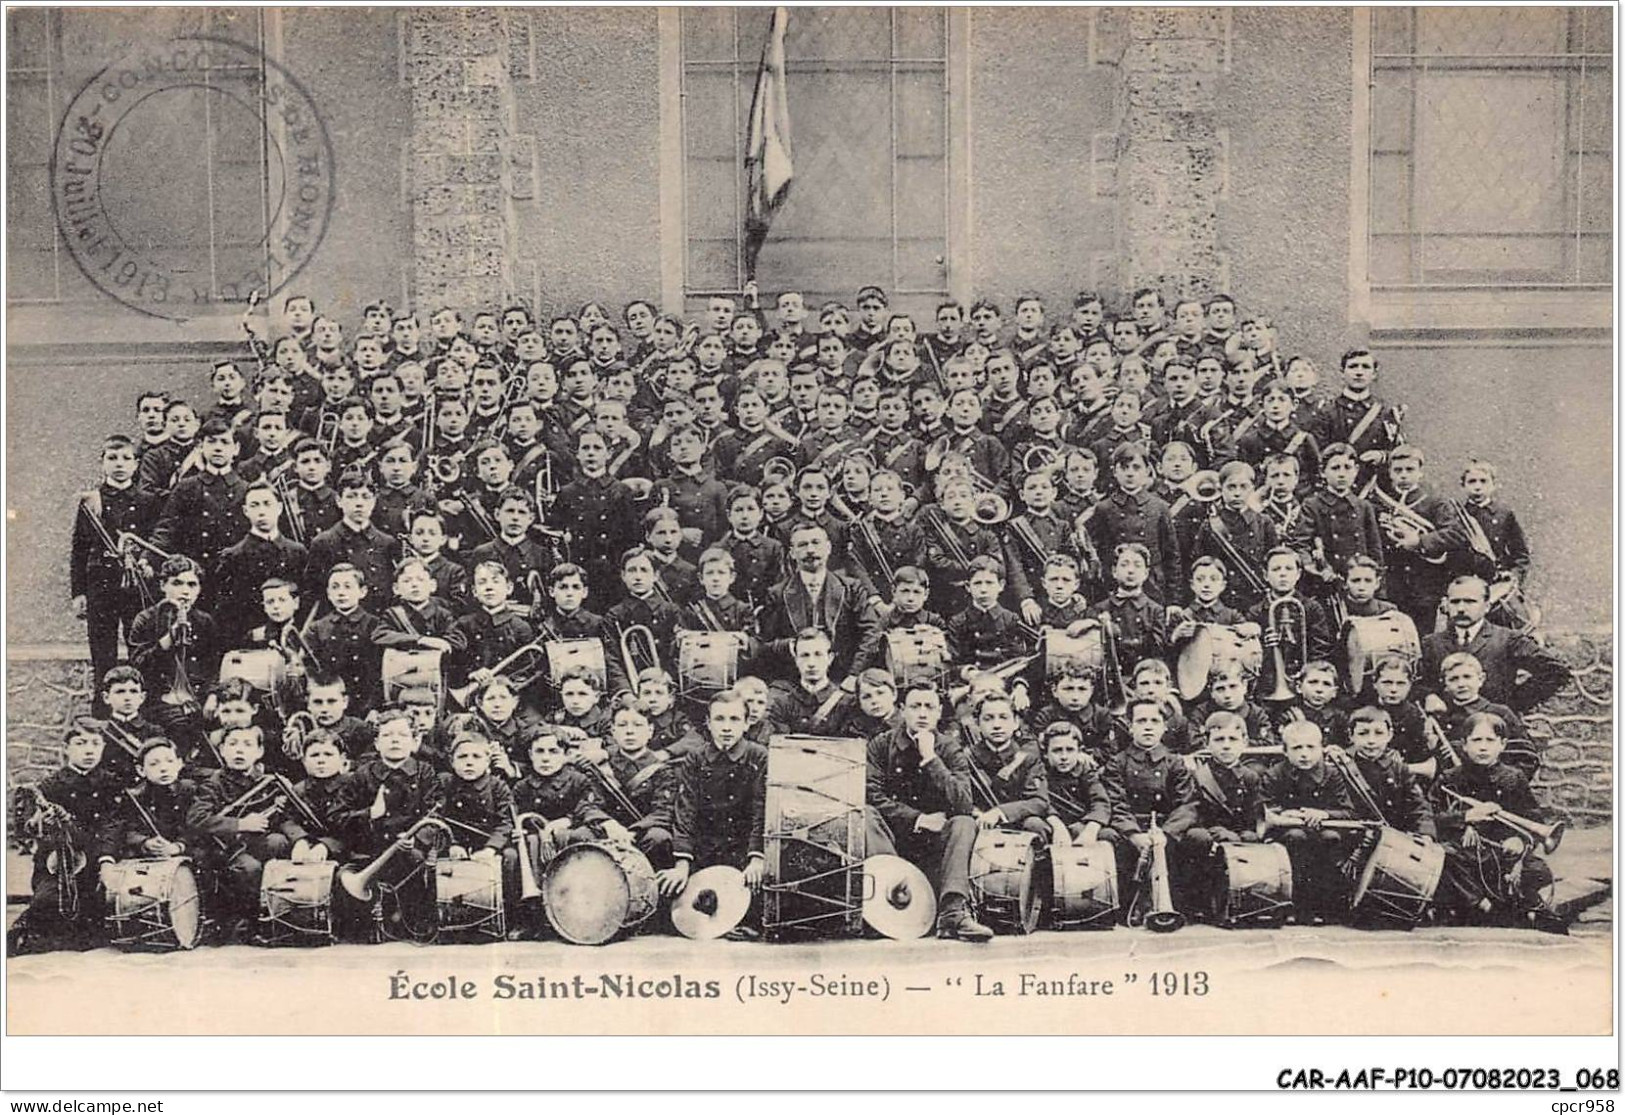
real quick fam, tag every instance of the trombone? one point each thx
(1287, 609)
(1548, 837)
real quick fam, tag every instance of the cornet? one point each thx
(1288, 609)
(294, 733)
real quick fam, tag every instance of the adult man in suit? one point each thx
(1503, 652)
(814, 595)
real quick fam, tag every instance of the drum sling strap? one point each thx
(534, 453)
(896, 452)
(1203, 777)
(823, 710)
(1364, 423)
(401, 616)
(1010, 416)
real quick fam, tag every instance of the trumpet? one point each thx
(358, 883)
(1548, 837)
(1286, 610)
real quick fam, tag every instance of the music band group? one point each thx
(875, 653)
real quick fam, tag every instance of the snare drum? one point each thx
(1399, 879)
(1257, 885)
(568, 654)
(918, 653)
(296, 902)
(153, 903)
(1004, 880)
(1213, 646)
(707, 660)
(593, 891)
(1372, 637)
(1062, 650)
(468, 897)
(815, 838)
(1085, 886)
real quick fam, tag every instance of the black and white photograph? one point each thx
(800, 521)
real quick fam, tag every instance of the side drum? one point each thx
(1086, 894)
(1399, 880)
(296, 902)
(468, 897)
(154, 904)
(1004, 880)
(1257, 885)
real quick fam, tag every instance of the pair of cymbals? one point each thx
(898, 901)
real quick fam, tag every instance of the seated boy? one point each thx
(1463, 681)
(479, 807)
(242, 837)
(1227, 692)
(74, 809)
(1229, 809)
(1139, 623)
(342, 641)
(1498, 878)
(152, 816)
(1382, 787)
(1301, 793)
(1144, 780)
(323, 788)
(1007, 774)
(127, 731)
(1073, 693)
(648, 777)
(1317, 703)
(1078, 798)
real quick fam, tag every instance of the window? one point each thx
(1487, 134)
(870, 123)
(191, 161)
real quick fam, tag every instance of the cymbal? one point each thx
(713, 903)
(901, 903)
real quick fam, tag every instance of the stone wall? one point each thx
(1576, 727)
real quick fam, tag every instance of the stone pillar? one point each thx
(1170, 167)
(463, 124)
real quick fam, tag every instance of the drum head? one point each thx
(713, 903)
(1195, 662)
(185, 911)
(585, 895)
(898, 900)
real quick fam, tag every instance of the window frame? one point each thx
(674, 285)
(1486, 308)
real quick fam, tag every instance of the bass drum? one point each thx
(468, 898)
(1257, 885)
(154, 904)
(594, 891)
(1215, 645)
(1399, 880)
(296, 902)
(816, 839)
(1370, 638)
(1086, 894)
(1004, 880)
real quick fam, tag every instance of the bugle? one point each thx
(1043, 458)
(637, 637)
(1286, 610)
(529, 888)
(463, 694)
(1397, 518)
(295, 732)
(991, 509)
(358, 882)
(1115, 693)
(1202, 487)
(1162, 917)
(1548, 837)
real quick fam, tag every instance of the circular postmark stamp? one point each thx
(192, 173)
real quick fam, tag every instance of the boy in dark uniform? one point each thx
(244, 567)
(122, 694)
(176, 647)
(720, 812)
(1300, 793)
(1144, 780)
(327, 775)
(1139, 623)
(342, 641)
(1133, 514)
(241, 838)
(479, 807)
(601, 516)
(1007, 773)
(520, 553)
(151, 818)
(76, 807)
(1229, 810)
(204, 513)
(101, 588)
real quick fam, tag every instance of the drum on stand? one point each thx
(468, 898)
(918, 653)
(592, 892)
(296, 902)
(154, 904)
(816, 839)
(1085, 886)
(568, 654)
(1213, 646)
(1004, 880)
(1399, 881)
(1369, 638)
(1257, 885)
(707, 661)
